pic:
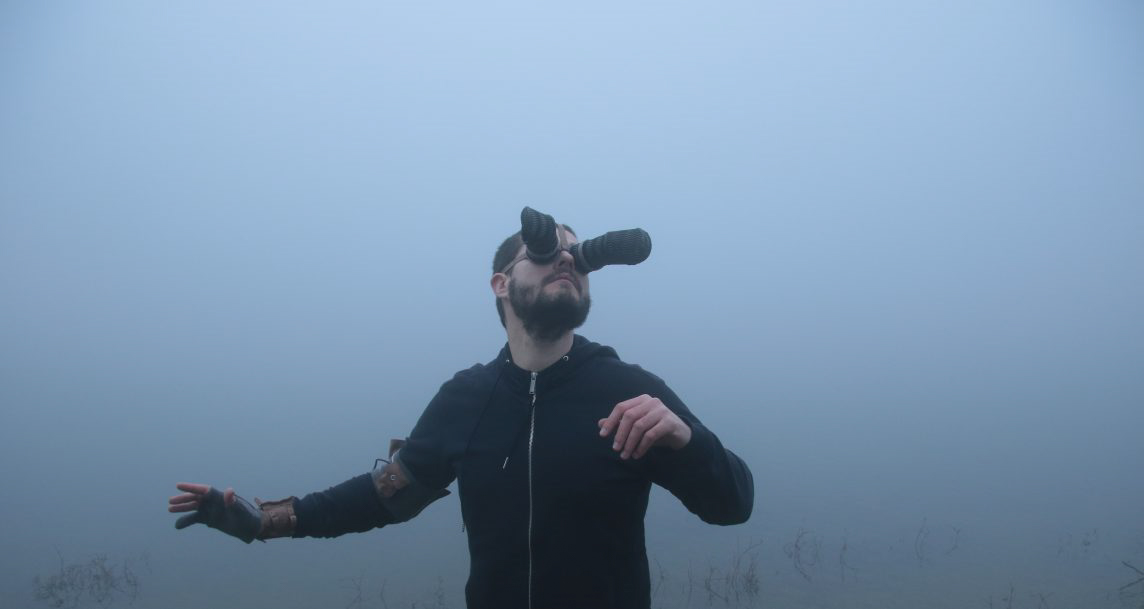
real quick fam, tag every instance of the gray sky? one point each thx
(897, 262)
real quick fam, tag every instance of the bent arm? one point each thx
(711, 481)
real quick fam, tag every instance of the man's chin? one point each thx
(558, 308)
(556, 323)
(545, 335)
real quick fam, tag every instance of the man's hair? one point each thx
(505, 253)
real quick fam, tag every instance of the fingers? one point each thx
(184, 498)
(183, 503)
(190, 487)
(640, 428)
(228, 497)
(609, 424)
(641, 423)
(651, 436)
(631, 422)
(190, 500)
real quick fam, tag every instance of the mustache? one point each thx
(563, 275)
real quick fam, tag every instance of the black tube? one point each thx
(538, 231)
(631, 246)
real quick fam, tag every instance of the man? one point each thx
(554, 445)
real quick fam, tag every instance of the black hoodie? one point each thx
(555, 518)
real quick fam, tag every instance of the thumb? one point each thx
(187, 520)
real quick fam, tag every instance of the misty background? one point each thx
(897, 268)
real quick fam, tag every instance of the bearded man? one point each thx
(554, 445)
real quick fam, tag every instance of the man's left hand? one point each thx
(643, 422)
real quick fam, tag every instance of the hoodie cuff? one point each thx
(698, 451)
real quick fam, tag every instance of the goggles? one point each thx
(562, 247)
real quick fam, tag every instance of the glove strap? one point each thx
(278, 519)
(391, 478)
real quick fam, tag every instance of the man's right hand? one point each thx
(222, 510)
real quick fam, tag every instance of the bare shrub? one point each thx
(803, 551)
(1133, 590)
(100, 581)
(739, 584)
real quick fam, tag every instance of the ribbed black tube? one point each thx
(631, 246)
(538, 231)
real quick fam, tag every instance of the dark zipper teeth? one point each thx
(531, 435)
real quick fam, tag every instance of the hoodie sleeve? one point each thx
(438, 439)
(428, 458)
(711, 481)
(350, 507)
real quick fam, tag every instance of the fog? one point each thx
(898, 251)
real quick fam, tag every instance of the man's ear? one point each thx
(499, 284)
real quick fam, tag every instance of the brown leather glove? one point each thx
(240, 519)
(401, 495)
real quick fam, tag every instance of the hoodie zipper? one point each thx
(531, 432)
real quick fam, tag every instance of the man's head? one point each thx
(549, 299)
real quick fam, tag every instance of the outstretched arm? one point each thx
(387, 495)
(384, 496)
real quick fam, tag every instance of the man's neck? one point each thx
(536, 355)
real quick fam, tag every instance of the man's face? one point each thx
(550, 299)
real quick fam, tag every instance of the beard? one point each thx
(546, 317)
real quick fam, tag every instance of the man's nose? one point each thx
(564, 259)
